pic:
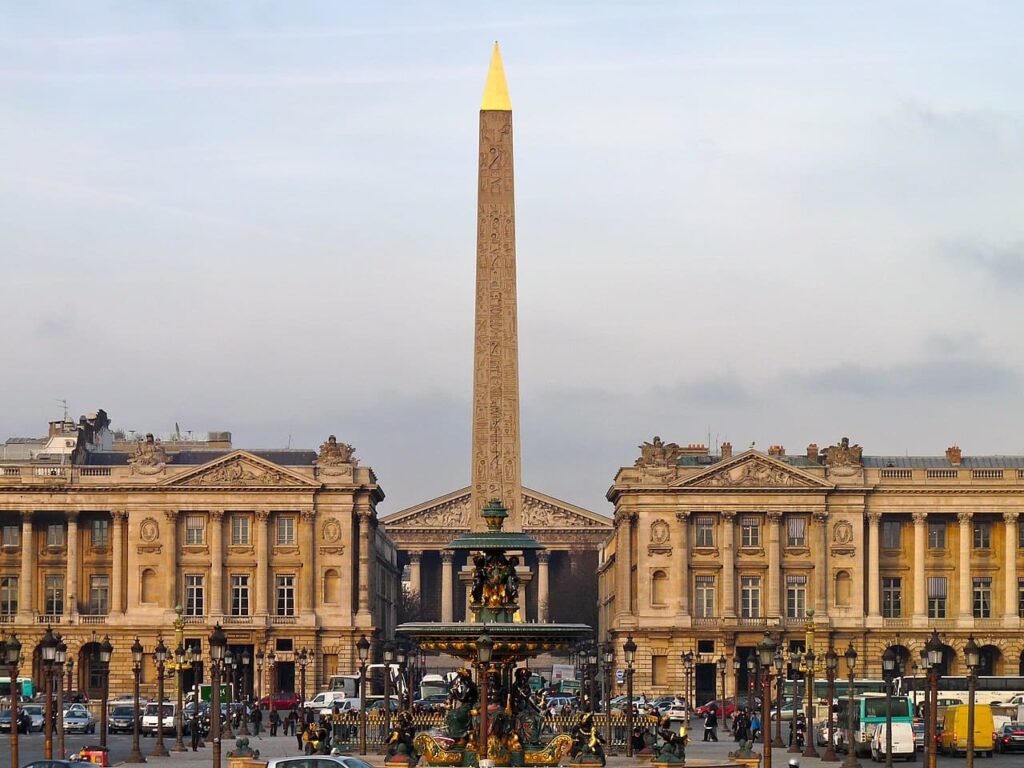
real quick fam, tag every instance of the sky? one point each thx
(763, 222)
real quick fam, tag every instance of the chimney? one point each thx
(812, 452)
(953, 455)
(776, 450)
(726, 451)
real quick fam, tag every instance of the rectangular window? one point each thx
(285, 595)
(195, 597)
(936, 535)
(100, 533)
(982, 534)
(1020, 534)
(705, 596)
(750, 531)
(750, 597)
(1020, 597)
(796, 597)
(8, 595)
(982, 597)
(936, 597)
(704, 531)
(285, 530)
(892, 597)
(659, 670)
(54, 598)
(11, 536)
(796, 531)
(239, 530)
(99, 595)
(891, 534)
(195, 529)
(55, 535)
(239, 595)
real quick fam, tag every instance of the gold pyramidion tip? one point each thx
(496, 90)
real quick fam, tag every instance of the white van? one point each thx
(149, 718)
(325, 699)
(902, 742)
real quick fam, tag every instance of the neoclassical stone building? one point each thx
(102, 534)
(709, 551)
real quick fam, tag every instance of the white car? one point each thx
(903, 745)
(148, 726)
(318, 761)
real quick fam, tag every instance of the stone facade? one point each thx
(108, 536)
(710, 551)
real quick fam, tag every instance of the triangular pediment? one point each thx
(240, 469)
(452, 511)
(752, 469)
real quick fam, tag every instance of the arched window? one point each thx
(844, 588)
(332, 586)
(659, 588)
(148, 591)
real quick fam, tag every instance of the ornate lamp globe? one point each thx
(484, 648)
(832, 660)
(851, 658)
(218, 643)
(972, 653)
(48, 646)
(935, 649)
(106, 650)
(179, 656)
(629, 649)
(12, 651)
(160, 652)
(61, 656)
(888, 662)
(363, 648)
(766, 651)
(778, 660)
(495, 514)
(721, 663)
(137, 654)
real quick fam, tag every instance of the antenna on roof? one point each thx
(289, 441)
(64, 403)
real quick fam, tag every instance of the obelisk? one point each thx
(497, 472)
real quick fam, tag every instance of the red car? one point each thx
(729, 706)
(281, 701)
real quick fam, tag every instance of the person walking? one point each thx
(275, 720)
(257, 720)
(194, 728)
(711, 726)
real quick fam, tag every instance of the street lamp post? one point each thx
(12, 658)
(935, 652)
(688, 675)
(58, 683)
(136, 755)
(972, 655)
(888, 672)
(218, 647)
(179, 726)
(765, 657)
(303, 661)
(608, 656)
(106, 651)
(484, 653)
(229, 680)
(720, 664)
(363, 650)
(71, 669)
(851, 743)
(271, 659)
(48, 651)
(389, 657)
(401, 656)
(831, 665)
(736, 666)
(193, 661)
(780, 662)
(246, 692)
(160, 654)
(259, 677)
(592, 665)
(795, 661)
(809, 659)
(629, 649)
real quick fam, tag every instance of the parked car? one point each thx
(121, 719)
(729, 706)
(150, 715)
(57, 764)
(24, 721)
(919, 731)
(37, 714)
(377, 705)
(322, 761)
(282, 700)
(76, 697)
(902, 742)
(79, 719)
(1010, 738)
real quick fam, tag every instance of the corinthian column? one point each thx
(261, 546)
(683, 564)
(28, 566)
(216, 562)
(363, 615)
(821, 565)
(117, 562)
(874, 574)
(308, 551)
(920, 581)
(73, 563)
(446, 584)
(543, 610)
(965, 611)
(774, 569)
(1010, 589)
(170, 553)
(728, 566)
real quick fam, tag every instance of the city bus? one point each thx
(28, 689)
(842, 686)
(868, 714)
(989, 689)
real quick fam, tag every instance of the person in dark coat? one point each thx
(711, 726)
(257, 720)
(275, 720)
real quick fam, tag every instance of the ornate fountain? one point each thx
(492, 711)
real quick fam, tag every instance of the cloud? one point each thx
(1002, 263)
(941, 378)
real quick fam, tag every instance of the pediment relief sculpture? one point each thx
(239, 472)
(452, 514)
(540, 514)
(754, 473)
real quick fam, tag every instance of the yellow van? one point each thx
(954, 729)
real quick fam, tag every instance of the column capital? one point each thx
(964, 518)
(874, 517)
(728, 516)
(683, 515)
(447, 555)
(1011, 517)
(72, 515)
(216, 515)
(414, 555)
(820, 516)
(773, 515)
(119, 516)
(26, 516)
(171, 514)
(543, 556)
(364, 513)
(920, 517)
(308, 514)
(262, 515)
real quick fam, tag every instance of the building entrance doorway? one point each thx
(706, 684)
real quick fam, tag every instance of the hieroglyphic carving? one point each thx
(496, 455)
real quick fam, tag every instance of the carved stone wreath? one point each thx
(842, 532)
(331, 531)
(659, 532)
(149, 530)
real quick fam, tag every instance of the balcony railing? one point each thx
(753, 621)
(194, 619)
(705, 621)
(7, 618)
(12, 471)
(97, 618)
(238, 619)
(49, 618)
(896, 621)
(283, 620)
(987, 474)
(94, 471)
(896, 474)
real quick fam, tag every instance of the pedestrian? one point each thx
(298, 736)
(275, 720)
(257, 720)
(711, 726)
(194, 727)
